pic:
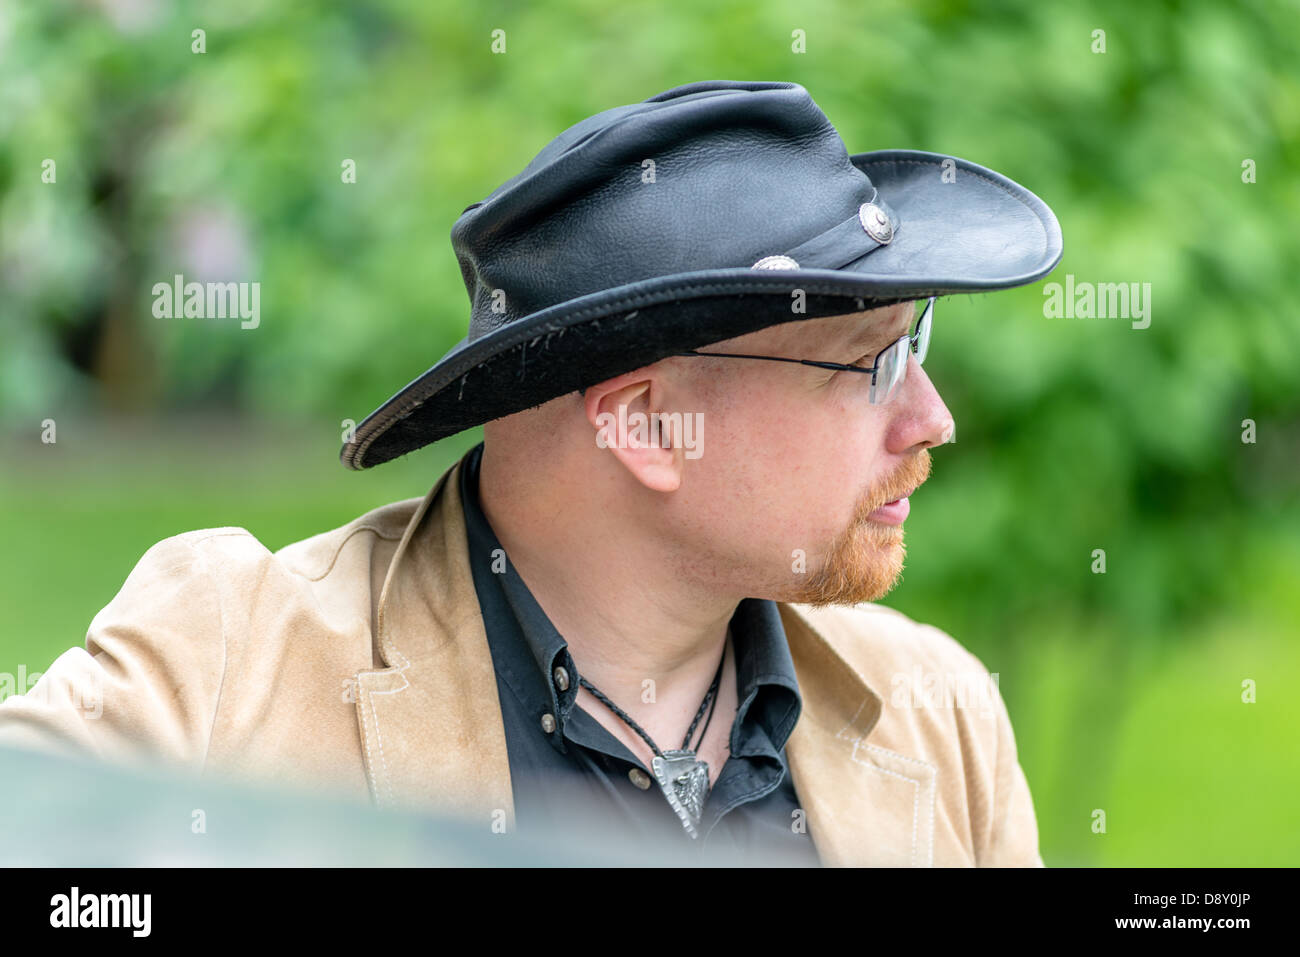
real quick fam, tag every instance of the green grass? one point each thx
(1157, 736)
(1202, 778)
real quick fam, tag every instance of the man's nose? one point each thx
(923, 420)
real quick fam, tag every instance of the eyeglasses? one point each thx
(887, 372)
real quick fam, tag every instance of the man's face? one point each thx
(785, 500)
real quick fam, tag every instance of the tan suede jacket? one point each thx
(339, 661)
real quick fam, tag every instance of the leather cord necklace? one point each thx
(682, 776)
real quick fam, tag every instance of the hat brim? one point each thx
(963, 228)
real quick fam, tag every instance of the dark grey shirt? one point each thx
(579, 772)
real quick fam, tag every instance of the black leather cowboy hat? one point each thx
(708, 211)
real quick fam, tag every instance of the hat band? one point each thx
(872, 226)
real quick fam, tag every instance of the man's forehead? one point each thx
(859, 328)
(868, 326)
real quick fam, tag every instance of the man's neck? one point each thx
(638, 630)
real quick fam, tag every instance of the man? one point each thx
(695, 349)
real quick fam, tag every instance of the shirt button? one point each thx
(639, 778)
(561, 679)
(548, 723)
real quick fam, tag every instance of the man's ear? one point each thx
(624, 411)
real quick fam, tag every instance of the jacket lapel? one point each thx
(866, 805)
(431, 725)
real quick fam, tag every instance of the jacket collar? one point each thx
(431, 722)
(431, 725)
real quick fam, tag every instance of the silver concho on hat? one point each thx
(876, 223)
(775, 262)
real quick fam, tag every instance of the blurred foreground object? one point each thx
(61, 812)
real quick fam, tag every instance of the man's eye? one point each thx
(865, 361)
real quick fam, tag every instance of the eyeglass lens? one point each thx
(893, 362)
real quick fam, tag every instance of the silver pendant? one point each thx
(685, 782)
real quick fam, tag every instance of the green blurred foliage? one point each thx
(1073, 434)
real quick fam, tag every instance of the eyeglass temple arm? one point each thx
(802, 362)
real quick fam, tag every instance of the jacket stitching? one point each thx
(916, 794)
(915, 782)
(379, 740)
(200, 558)
(343, 544)
(933, 782)
(400, 664)
(396, 660)
(852, 721)
(366, 734)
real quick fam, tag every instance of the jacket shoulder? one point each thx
(239, 567)
(877, 638)
(210, 625)
(314, 557)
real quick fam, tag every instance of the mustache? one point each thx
(910, 476)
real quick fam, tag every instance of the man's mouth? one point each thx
(893, 513)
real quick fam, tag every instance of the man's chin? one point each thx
(865, 561)
(866, 569)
